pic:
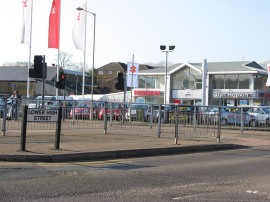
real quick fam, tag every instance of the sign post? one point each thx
(41, 115)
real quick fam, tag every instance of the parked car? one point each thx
(261, 115)
(142, 112)
(186, 113)
(235, 116)
(117, 111)
(81, 111)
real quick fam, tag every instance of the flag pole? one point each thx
(84, 57)
(29, 59)
(58, 57)
(132, 78)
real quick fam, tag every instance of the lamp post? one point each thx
(94, 39)
(163, 49)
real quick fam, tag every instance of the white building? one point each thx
(226, 83)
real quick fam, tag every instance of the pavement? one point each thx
(93, 144)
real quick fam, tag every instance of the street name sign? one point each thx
(42, 115)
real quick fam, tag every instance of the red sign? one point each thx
(147, 92)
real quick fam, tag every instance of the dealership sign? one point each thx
(146, 93)
(232, 94)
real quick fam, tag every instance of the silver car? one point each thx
(261, 114)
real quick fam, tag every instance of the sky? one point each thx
(216, 30)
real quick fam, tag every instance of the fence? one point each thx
(182, 121)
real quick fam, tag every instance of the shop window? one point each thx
(231, 81)
(218, 81)
(150, 82)
(153, 82)
(243, 81)
(258, 82)
(141, 81)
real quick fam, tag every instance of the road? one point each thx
(235, 175)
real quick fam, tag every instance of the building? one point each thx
(107, 75)
(225, 83)
(15, 78)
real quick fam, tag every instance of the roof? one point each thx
(213, 67)
(264, 64)
(160, 70)
(78, 73)
(20, 73)
(122, 67)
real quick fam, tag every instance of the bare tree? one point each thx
(64, 60)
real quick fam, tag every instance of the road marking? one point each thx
(84, 163)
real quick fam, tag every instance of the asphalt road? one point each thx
(232, 175)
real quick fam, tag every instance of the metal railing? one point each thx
(183, 121)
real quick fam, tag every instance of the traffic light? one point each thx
(120, 83)
(62, 81)
(38, 66)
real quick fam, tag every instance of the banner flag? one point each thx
(132, 75)
(268, 79)
(79, 28)
(26, 21)
(54, 25)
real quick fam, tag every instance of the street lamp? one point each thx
(93, 64)
(163, 49)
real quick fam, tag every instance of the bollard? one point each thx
(23, 129)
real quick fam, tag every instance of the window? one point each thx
(231, 81)
(258, 82)
(109, 72)
(187, 79)
(100, 72)
(218, 81)
(243, 81)
(153, 82)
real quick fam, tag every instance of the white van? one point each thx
(48, 101)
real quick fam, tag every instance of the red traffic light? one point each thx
(63, 76)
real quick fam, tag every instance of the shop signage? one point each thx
(146, 93)
(232, 94)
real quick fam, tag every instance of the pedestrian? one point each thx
(15, 104)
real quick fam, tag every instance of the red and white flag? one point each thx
(132, 74)
(26, 21)
(268, 79)
(54, 25)
(78, 33)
